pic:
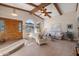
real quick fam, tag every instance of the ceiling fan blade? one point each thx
(49, 12)
(49, 16)
(39, 7)
(46, 14)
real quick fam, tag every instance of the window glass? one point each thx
(29, 26)
(1, 25)
(20, 26)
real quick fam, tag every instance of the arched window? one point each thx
(29, 26)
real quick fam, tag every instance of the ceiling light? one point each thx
(14, 13)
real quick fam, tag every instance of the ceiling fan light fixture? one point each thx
(45, 9)
(43, 14)
(42, 11)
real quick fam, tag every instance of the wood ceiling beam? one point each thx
(31, 4)
(44, 4)
(58, 9)
(19, 9)
(39, 7)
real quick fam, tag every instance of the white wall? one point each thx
(63, 20)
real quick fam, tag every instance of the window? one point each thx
(29, 26)
(20, 26)
(1, 25)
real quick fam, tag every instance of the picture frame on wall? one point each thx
(70, 26)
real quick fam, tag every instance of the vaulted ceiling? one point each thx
(44, 10)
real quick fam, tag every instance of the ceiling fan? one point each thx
(42, 9)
